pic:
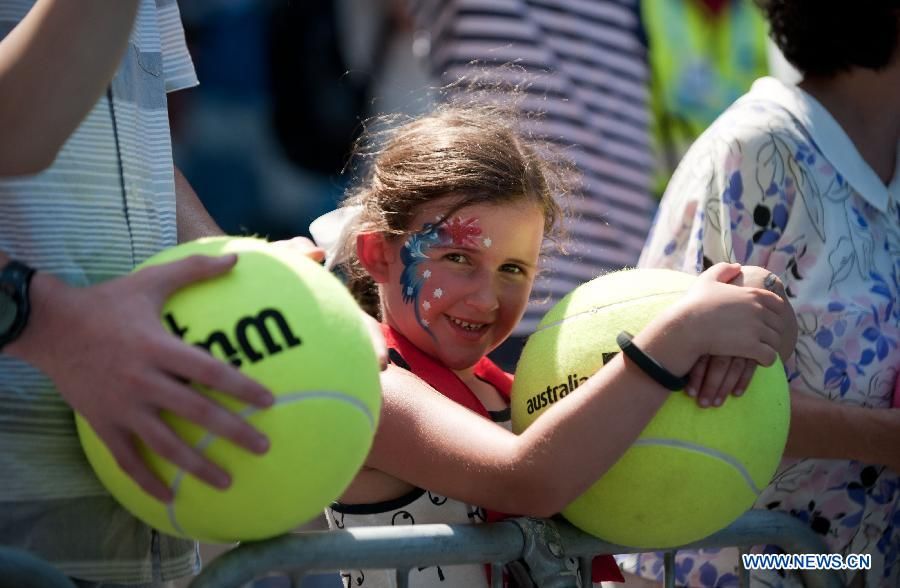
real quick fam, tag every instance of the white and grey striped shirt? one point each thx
(105, 204)
(586, 67)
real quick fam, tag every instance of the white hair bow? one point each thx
(331, 230)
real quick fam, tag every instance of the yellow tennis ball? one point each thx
(287, 323)
(692, 471)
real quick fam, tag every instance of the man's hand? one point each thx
(111, 359)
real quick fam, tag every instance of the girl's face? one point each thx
(458, 288)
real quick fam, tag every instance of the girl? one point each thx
(449, 227)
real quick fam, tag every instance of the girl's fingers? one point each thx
(721, 272)
(715, 374)
(729, 383)
(744, 381)
(695, 378)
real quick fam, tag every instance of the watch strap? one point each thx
(16, 278)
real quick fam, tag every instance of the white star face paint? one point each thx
(458, 288)
(454, 232)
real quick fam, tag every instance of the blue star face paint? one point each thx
(454, 232)
(457, 287)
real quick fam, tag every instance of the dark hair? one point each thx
(825, 37)
(475, 154)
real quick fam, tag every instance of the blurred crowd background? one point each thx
(284, 87)
(285, 84)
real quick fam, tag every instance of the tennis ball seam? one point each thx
(289, 398)
(596, 309)
(707, 451)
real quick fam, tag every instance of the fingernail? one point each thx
(718, 402)
(704, 402)
(265, 398)
(260, 444)
(692, 392)
(738, 392)
(222, 481)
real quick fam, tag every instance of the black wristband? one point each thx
(648, 365)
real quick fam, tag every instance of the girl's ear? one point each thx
(375, 255)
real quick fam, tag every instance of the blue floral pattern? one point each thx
(758, 190)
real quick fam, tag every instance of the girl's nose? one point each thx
(483, 296)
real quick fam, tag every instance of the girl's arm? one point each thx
(431, 442)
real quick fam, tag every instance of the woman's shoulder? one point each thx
(755, 119)
(752, 133)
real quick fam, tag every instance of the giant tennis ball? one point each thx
(692, 471)
(286, 322)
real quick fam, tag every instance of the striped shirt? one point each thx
(587, 74)
(106, 204)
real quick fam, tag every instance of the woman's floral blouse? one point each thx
(776, 182)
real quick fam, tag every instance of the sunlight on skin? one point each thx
(457, 232)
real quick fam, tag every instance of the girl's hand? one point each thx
(713, 378)
(719, 319)
(752, 276)
(302, 246)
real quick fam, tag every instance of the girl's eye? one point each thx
(512, 268)
(456, 258)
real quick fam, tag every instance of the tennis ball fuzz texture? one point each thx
(692, 471)
(286, 322)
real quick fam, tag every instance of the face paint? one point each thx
(458, 286)
(414, 253)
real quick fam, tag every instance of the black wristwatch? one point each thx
(15, 305)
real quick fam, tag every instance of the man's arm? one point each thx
(193, 219)
(54, 66)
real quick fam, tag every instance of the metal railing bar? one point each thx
(669, 574)
(430, 545)
(364, 548)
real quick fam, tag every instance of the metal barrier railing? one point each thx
(545, 545)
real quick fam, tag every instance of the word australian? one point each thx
(554, 393)
(239, 345)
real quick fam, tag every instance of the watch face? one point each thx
(7, 311)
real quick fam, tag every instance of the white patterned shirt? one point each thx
(776, 182)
